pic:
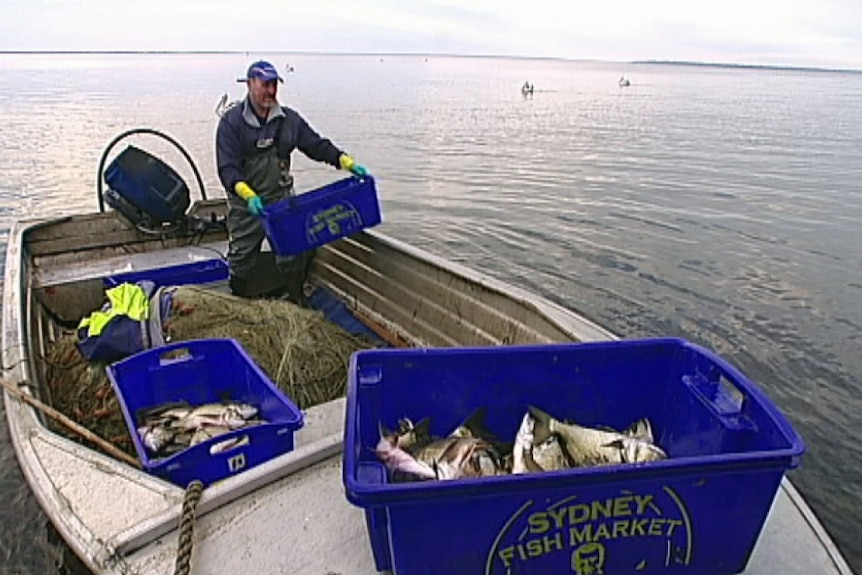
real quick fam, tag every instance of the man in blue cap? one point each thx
(254, 142)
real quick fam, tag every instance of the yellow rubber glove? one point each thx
(254, 202)
(348, 163)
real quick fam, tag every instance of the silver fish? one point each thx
(550, 455)
(207, 432)
(232, 415)
(640, 429)
(175, 412)
(454, 461)
(474, 427)
(586, 446)
(638, 451)
(165, 411)
(411, 436)
(155, 438)
(466, 457)
(522, 451)
(398, 460)
(237, 411)
(228, 444)
(468, 451)
(458, 457)
(170, 428)
(530, 456)
(434, 450)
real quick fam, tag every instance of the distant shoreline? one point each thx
(106, 52)
(746, 66)
(440, 55)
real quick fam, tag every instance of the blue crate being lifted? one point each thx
(306, 221)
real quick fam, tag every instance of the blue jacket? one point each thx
(240, 136)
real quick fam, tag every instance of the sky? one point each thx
(807, 33)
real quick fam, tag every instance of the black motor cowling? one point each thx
(145, 190)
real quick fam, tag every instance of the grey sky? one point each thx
(824, 33)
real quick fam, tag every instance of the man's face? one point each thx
(263, 93)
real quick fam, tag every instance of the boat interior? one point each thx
(55, 275)
(403, 299)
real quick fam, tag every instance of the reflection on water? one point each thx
(717, 205)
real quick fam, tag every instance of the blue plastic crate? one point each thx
(201, 272)
(200, 372)
(700, 511)
(306, 221)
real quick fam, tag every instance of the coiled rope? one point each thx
(187, 528)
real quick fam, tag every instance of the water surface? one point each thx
(720, 205)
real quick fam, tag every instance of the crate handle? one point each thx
(718, 392)
(721, 396)
(175, 355)
(370, 375)
(220, 447)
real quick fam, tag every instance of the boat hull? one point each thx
(290, 513)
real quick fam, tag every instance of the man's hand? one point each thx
(254, 202)
(348, 163)
(255, 205)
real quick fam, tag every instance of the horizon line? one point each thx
(651, 61)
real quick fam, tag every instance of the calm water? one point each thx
(718, 205)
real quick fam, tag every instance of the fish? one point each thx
(455, 460)
(412, 436)
(487, 463)
(638, 451)
(587, 447)
(522, 451)
(207, 432)
(155, 437)
(399, 461)
(532, 457)
(457, 457)
(412, 453)
(474, 427)
(170, 410)
(229, 444)
(233, 415)
(170, 428)
(550, 455)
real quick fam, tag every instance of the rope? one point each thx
(187, 527)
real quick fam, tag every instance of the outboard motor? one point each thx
(145, 190)
(148, 193)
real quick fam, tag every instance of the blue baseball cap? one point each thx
(263, 70)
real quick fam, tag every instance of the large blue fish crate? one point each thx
(699, 511)
(306, 221)
(201, 372)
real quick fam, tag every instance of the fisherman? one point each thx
(254, 142)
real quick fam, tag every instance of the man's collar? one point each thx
(251, 118)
